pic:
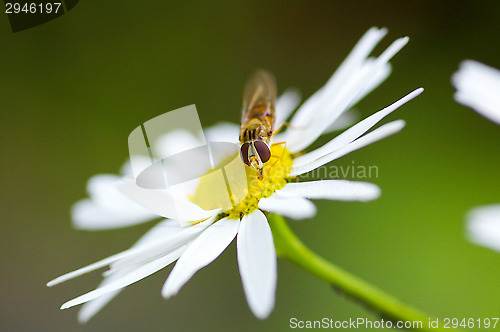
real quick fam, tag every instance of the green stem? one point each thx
(289, 246)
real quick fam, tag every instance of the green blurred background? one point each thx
(72, 90)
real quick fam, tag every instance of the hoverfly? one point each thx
(257, 120)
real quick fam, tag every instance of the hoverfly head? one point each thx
(255, 154)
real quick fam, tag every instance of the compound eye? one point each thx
(244, 153)
(263, 151)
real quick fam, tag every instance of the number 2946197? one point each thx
(32, 8)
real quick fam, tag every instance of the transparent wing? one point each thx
(259, 97)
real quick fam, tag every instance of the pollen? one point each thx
(275, 175)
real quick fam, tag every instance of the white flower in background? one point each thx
(478, 87)
(483, 226)
(196, 241)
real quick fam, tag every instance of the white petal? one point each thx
(285, 105)
(484, 226)
(89, 268)
(201, 252)
(340, 190)
(393, 49)
(102, 189)
(354, 132)
(344, 121)
(164, 203)
(141, 253)
(223, 132)
(374, 81)
(107, 207)
(339, 100)
(88, 215)
(257, 263)
(350, 65)
(160, 246)
(166, 229)
(292, 207)
(477, 87)
(140, 164)
(91, 308)
(374, 136)
(161, 230)
(333, 107)
(176, 141)
(137, 274)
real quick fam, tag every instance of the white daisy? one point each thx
(203, 233)
(478, 87)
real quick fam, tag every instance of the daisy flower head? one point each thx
(204, 214)
(477, 87)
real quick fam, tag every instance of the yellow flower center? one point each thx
(274, 177)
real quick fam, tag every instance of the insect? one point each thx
(257, 120)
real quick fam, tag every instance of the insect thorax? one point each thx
(254, 131)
